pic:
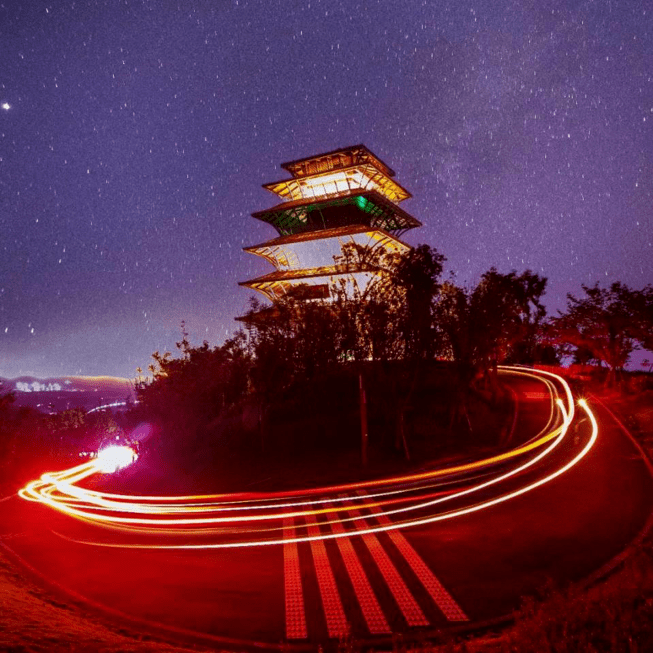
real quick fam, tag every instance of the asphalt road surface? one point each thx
(305, 568)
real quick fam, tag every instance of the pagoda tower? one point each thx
(333, 199)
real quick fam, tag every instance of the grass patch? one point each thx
(33, 621)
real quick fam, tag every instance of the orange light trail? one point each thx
(256, 519)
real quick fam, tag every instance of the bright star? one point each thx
(6, 106)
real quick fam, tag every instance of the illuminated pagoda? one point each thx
(337, 198)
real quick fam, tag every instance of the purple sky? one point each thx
(134, 137)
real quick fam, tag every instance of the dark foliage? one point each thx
(290, 384)
(605, 325)
(189, 393)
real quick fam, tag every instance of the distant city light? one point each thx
(115, 404)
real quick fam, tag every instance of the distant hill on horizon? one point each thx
(54, 394)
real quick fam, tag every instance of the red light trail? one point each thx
(257, 519)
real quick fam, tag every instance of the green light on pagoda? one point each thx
(363, 203)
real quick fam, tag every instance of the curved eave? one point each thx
(336, 232)
(299, 275)
(327, 271)
(291, 189)
(289, 252)
(278, 283)
(375, 211)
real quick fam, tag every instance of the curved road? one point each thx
(444, 549)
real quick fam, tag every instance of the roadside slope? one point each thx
(32, 621)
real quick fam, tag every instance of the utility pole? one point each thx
(363, 410)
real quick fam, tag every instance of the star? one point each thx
(503, 126)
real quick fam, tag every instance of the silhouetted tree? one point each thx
(642, 306)
(6, 432)
(509, 308)
(188, 392)
(390, 328)
(607, 323)
(486, 326)
(417, 279)
(388, 318)
(483, 327)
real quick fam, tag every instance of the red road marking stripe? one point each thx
(374, 617)
(405, 600)
(333, 611)
(447, 604)
(295, 613)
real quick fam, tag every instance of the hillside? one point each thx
(54, 394)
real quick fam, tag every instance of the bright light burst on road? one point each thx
(113, 458)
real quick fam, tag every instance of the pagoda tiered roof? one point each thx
(340, 213)
(338, 182)
(368, 208)
(315, 280)
(334, 160)
(298, 250)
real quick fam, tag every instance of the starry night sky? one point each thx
(135, 136)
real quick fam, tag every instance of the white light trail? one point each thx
(246, 520)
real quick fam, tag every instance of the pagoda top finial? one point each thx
(335, 160)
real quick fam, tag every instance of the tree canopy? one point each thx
(489, 324)
(300, 354)
(606, 323)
